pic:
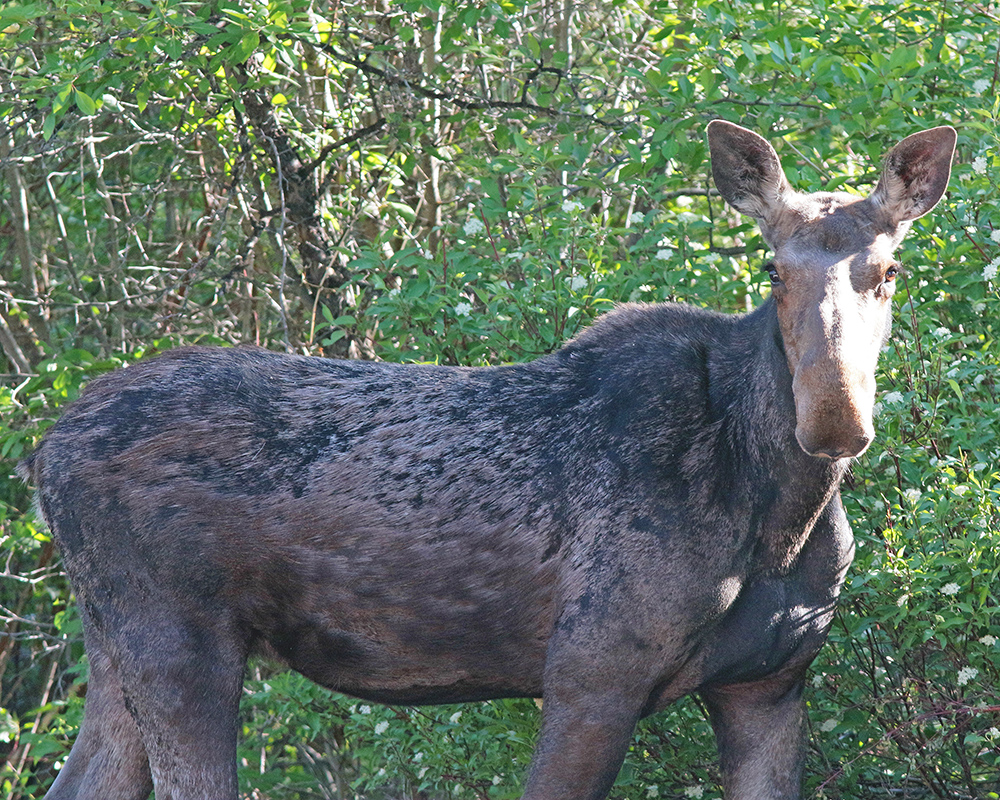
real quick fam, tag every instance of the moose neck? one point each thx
(791, 487)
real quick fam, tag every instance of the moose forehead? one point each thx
(830, 228)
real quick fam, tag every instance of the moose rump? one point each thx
(610, 527)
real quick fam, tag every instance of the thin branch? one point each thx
(394, 79)
(361, 133)
(12, 349)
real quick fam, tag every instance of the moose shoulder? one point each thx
(651, 511)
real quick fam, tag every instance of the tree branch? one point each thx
(361, 133)
(12, 349)
(394, 79)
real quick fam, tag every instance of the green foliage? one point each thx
(472, 184)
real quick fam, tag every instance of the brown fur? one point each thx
(611, 527)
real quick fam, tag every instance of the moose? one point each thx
(652, 510)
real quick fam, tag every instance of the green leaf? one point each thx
(239, 53)
(902, 56)
(85, 103)
(14, 14)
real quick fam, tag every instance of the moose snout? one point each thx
(833, 412)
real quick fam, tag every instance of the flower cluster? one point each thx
(966, 674)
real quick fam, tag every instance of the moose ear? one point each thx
(746, 170)
(915, 175)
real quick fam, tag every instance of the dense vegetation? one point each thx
(470, 183)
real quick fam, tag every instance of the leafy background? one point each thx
(471, 183)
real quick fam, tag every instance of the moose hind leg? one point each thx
(108, 760)
(759, 728)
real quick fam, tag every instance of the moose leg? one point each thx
(759, 730)
(582, 743)
(108, 760)
(182, 684)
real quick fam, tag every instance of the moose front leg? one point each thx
(582, 744)
(759, 730)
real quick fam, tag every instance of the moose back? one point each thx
(651, 511)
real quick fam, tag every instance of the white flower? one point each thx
(902, 600)
(993, 733)
(473, 226)
(979, 165)
(577, 282)
(988, 640)
(636, 218)
(990, 270)
(496, 780)
(893, 398)
(950, 589)
(571, 206)
(941, 333)
(454, 718)
(381, 728)
(662, 255)
(995, 236)
(828, 726)
(694, 791)
(980, 86)
(817, 679)
(913, 495)
(966, 674)
(463, 309)
(365, 710)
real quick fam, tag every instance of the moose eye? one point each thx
(772, 273)
(892, 272)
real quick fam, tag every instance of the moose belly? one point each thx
(407, 626)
